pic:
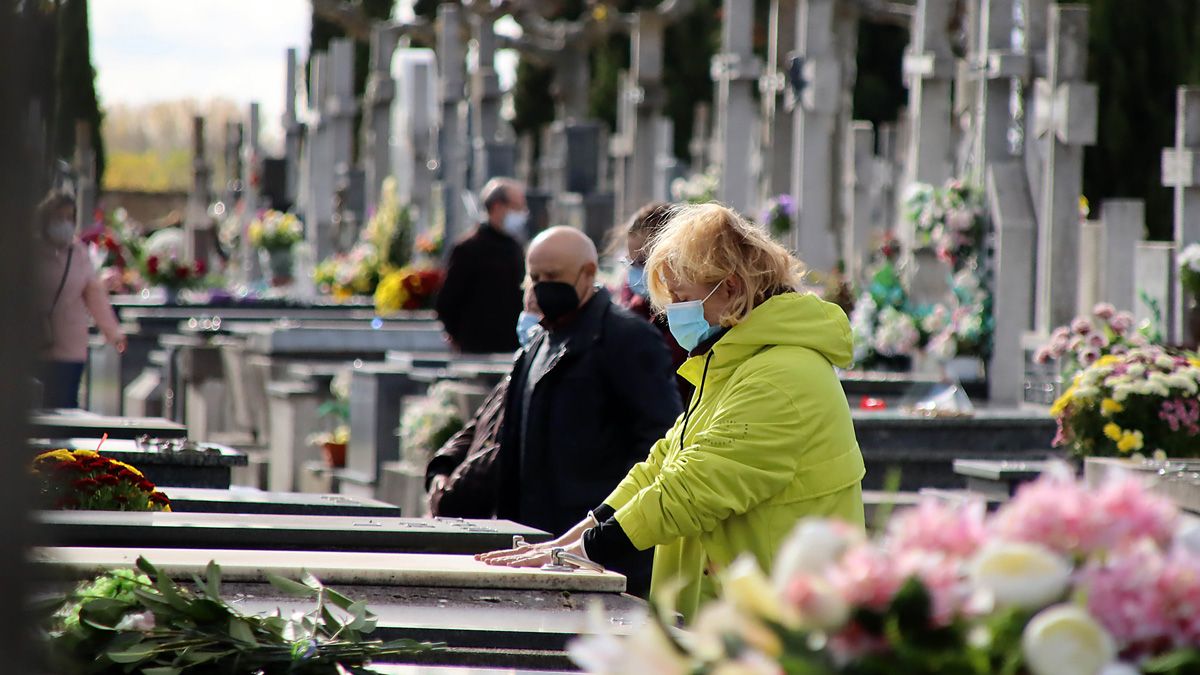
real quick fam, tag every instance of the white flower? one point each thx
(1136, 370)
(1019, 574)
(1119, 668)
(143, 622)
(813, 545)
(1165, 363)
(645, 650)
(1122, 392)
(750, 591)
(1066, 640)
(1183, 382)
(1087, 392)
(1189, 257)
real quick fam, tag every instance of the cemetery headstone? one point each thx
(1181, 172)
(736, 70)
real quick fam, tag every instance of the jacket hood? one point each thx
(795, 319)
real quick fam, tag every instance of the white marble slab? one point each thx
(334, 567)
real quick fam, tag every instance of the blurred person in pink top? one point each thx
(68, 293)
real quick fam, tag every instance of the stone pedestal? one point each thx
(293, 417)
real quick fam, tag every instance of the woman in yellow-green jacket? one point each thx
(767, 438)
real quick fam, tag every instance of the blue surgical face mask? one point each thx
(514, 223)
(636, 279)
(687, 323)
(525, 325)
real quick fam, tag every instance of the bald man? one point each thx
(481, 297)
(588, 396)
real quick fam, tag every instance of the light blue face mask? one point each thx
(636, 279)
(525, 325)
(687, 323)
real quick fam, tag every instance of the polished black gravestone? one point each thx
(248, 501)
(112, 529)
(82, 424)
(207, 465)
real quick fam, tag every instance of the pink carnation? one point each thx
(942, 577)
(1122, 323)
(1148, 600)
(866, 577)
(1042, 356)
(1081, 326)
(1053, 511)
(1130, 513)
(1104, 311)
(935, 527)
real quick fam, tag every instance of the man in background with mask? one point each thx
(481, 297)
(588, 395)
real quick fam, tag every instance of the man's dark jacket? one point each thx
(607, 394)
(481, 298)
(468, 461)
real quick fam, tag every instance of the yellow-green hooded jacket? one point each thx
(769, 441)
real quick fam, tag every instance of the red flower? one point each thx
(145, 485)
(126, 474)
(85, 484)
(159, 498)
(108, 479)
(70, 467)
(200, 268)
(152, 264)
(182, 272)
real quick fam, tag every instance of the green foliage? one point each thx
(127, 622)
(1138, 53)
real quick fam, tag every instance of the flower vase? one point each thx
(280, 263)
(170, 295)
(335, 454)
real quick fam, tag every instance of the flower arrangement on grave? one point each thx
(1090, 338)
(1144, 400)
(428, 422)
(127, 621)
(963, 324)
(779, 215)
(881, 326)
(410, 288)
(276, 231)
(390, 229)
(1062, 580)
(174, 273)
(85, 480)
(1189, 269)
(699, 188)
(430, 244)
(353, 273)
(950, 218)
(116, 253)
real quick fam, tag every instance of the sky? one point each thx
(160, 50)
(150, 50)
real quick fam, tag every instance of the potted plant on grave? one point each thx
(779, 215)
(334, 443)
(1189, 279)
(1061, 580)
(88, 481)
(1090, 338)
(275, 234)
(1145, 400)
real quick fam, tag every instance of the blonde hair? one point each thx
(706, 243)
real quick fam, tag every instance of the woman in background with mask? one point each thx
(632, 238)
(767, 438)
(69, 292)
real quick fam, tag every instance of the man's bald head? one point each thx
(564, 254)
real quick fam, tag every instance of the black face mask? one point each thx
(556, 299)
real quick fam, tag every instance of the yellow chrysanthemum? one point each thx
(1131, 441)
(1109, 407)
(1108, 360)
(1113, 431)
(60, 455)
(1063, 401)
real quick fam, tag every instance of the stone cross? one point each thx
(198, 231)
(1034, 48)
(736, 70)
(493, 154)
(646, 95)
(816, 67)
(377, 113)
(776, 139)
(85, 176)
(453, 150)
(998, 66)
(414, 115)
(233, 164)
(666, 166)
(251, 175)
(1122, 226)
(1181, 172)
(1012, 215)
(1065, 120)
(293, 132)
(929, 71)
(318, 182)
(698, 146)
(621, 146)
(858, 176)
(340, 106)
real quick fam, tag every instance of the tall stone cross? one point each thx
(929, 71)
(646, 97)
(1181, 172)
(816, 72)
(493, 152)
(293, 132)
(997, 66)
(1012, 214)
(251, 177)
(340, 107)
(233, 164)
(198, 232)
(317, 184)
(377, 112)
(414, 117)
(776, 138)
(1065, 121)
(453, 148)
(736, 70)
